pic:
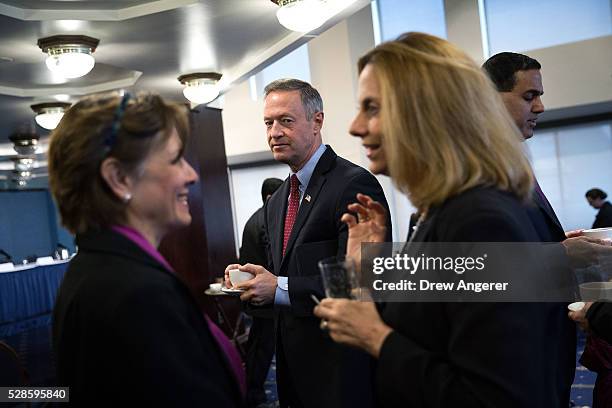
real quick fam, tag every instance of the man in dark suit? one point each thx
(518, 79)
(303, 225)
(260, 346)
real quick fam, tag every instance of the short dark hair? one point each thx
(311, 99)
(79, 145)
(269, 186)
(596, 193)
(502, 67)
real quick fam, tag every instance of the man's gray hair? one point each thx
(311, 99)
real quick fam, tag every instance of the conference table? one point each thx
(27, 295)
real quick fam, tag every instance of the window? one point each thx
(296, 64)
(523, 25)
(569, 161)
(399, 16)
(246, 192)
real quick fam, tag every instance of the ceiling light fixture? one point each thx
(200, 87)
(302, 15)
(20, 178)
(69, 55)
(25, 142)
(23, 163)
(49, 114)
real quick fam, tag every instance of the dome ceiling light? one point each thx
(302, 15)
(200, 87)
(22, 171)
(69, 55)
(49, 114)
(23, 163)
(25, 143)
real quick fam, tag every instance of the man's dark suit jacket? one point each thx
(544, 219)
(475, 354)
(325, 374)
(260, 346)
(127, 329)
(549, 229)
(604, 216)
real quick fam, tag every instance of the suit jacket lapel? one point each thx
(546, 208)
(314, 188)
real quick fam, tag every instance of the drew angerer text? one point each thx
(425, 285)
(435, 266)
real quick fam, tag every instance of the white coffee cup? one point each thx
(598, 233)
(576, 306)
(592, 291)
(237, 276)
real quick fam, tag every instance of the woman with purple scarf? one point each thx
(125, 327)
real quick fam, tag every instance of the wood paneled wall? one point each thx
(200, 252)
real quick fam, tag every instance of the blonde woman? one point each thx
(430, 119)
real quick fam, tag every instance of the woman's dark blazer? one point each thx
(476, 354)
(127, 329)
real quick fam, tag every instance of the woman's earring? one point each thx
(127, 197)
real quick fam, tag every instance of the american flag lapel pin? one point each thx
(307, 198)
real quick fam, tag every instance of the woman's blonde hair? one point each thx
(445, 128)
(102, 126)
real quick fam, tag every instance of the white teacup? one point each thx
(598, 233)
(576, 306)
(592, 291)
(237, 276)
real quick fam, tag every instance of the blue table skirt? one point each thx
(26, 296)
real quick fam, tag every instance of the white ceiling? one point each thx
(144, 45)
(74, 4)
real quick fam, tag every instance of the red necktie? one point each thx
(294, 204)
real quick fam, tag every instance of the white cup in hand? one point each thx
(237, 276)
(598, 233)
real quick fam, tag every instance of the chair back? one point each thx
(12, 372)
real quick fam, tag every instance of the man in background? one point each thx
(597, 199)
(518, 79)
(260, 346)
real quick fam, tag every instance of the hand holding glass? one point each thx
(339, 277)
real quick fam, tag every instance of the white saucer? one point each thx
(231, 291)
(576, 306)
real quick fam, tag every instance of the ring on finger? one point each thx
(324, 325)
